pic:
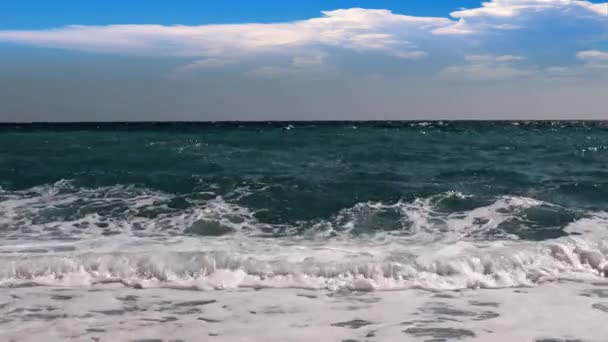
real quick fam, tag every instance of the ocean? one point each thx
(330, 231)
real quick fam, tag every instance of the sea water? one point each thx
(358, 231)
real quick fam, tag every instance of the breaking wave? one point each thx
(333, 266)
(62, 235)
(63, 211)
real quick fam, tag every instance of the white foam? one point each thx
(432, 250)
(28, 215)
(423, 222)
(357, 264)
(565, 311)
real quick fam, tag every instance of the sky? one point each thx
(112, 60)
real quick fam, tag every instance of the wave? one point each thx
(354, 267)
(62, 235)
(372, 264)
(453, 216)
(64, 211)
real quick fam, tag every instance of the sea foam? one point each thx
(217, 244)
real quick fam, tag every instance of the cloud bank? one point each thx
(471, 37)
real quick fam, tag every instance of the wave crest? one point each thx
(354, 266)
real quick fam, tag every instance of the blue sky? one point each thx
(298, 60)
(43, 14)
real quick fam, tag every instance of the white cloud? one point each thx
(519, 14)
(411, 54)
(512, 8)
(355, 29)
(493, 59)
(311, 64)
(309, 60)
(593, 56)
(272, 72)
(562, 72)
(489, 68)
(460, 27)
(210, 63)
(594, 61)
(309, 44)
(594, 64)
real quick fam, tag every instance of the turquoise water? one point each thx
(291, 179)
